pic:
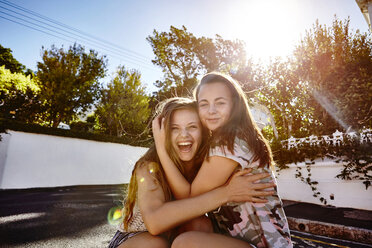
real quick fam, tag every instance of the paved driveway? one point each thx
(77, 217)
(64, 217)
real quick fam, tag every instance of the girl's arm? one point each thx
(179, 185)
(213, 173)
(160, 216)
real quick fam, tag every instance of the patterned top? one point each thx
(136, 223)
(260, 224)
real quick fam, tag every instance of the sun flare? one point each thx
(269, 28)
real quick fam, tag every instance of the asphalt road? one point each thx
(78, 217)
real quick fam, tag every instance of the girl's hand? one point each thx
(242, 187)
(158, 131)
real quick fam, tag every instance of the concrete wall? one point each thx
(35, 160)
(351, 193)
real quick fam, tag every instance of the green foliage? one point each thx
(325, 86)
(285, 96)
(336, 65)
(69, 82)
(357, 161)
(356, 158)
(10, 63)
(123, 109)
(17, 80)
(6, 124)
(81, 126)
(183, 57)
(19, 97)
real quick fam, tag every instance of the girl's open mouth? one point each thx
(184, 146)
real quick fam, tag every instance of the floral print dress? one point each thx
(260, 224)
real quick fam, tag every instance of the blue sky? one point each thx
(269, 28)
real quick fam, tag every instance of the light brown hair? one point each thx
(165, 110)
(240, 123)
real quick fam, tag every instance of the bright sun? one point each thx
(268, 27)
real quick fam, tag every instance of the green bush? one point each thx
(6, 124)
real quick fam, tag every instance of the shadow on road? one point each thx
(42, 214)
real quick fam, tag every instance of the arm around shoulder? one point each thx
(213, 173)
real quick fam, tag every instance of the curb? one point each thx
(331, 230)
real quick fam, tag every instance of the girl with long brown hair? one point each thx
(149, 211)
(235, 142)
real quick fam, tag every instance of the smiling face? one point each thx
(186, 133)
(214, 104)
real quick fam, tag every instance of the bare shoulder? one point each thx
(146, 168)
(146, 176)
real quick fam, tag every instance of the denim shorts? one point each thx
(121, 237)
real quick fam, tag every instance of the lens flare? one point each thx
(330, 108)
(115, 215)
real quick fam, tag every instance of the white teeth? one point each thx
(184, 143)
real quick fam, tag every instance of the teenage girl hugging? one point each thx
(152, 214)
(235, 143)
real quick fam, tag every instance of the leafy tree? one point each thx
(19, 97)
(325, 85)
(10, 63)
(89, 125)
(69, 81)
(336, 65)
(183, 57)
(123, 109)
(286, 97)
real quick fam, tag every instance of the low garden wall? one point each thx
(29, 160)
(337, 192)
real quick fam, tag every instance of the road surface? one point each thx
(77, 217)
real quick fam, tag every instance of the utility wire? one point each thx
(59, 37)
(69, 27)
(93, 41)
(111, 51)
(35, 28)
(114, 55)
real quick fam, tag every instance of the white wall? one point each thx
(35, 160)
(30, 160)
(346, 193)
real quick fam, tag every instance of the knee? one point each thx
(159, 242)
(186, 240)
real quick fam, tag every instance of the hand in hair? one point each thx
(241, 187)
(158, 131)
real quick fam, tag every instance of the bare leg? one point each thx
(196, 239)
(201, 224)
(145, 240)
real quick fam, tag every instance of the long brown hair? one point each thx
(164, 110)
(240, 123)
